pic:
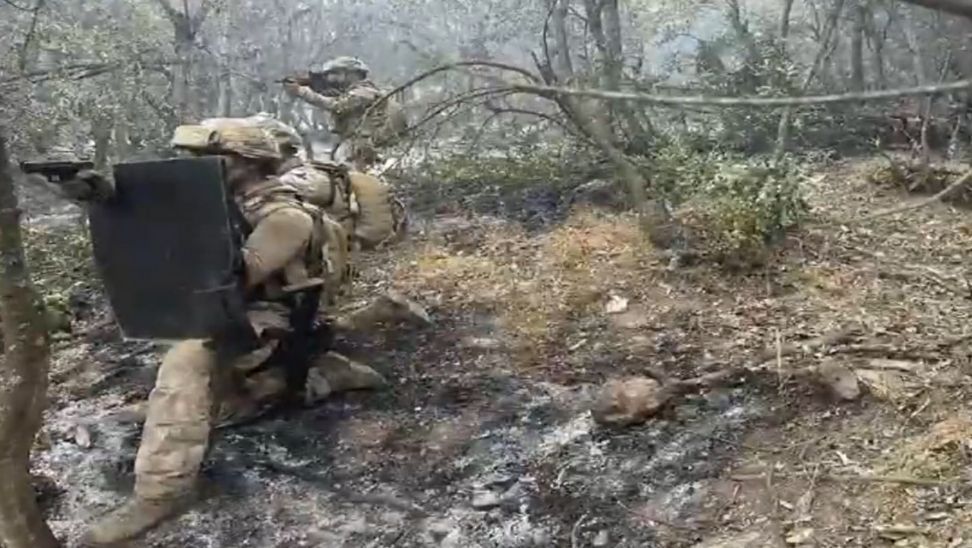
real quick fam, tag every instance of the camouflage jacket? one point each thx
(383, 123)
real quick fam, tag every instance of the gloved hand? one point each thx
(292, 88)
(88, 186)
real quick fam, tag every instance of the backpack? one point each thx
(362, 203)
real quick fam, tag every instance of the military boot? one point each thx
(333, 373)
(133, 519)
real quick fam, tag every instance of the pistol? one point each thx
(56, 172)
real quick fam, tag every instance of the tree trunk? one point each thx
(876, 42)
(746, 38)
(23, 378)
(101, 131)
(122, 140)
(560, 52)
(921, 74)
(785, 22)
(181, 71)
(857, 48)
(783, 131)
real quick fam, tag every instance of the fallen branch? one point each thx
(635, 400)
(960, 182)
(900, 480)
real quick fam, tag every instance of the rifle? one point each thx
(300, 78)
(56, 171)
(313, 80)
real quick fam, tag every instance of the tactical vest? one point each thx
(270, 196)
(384, 124)
(362, 204)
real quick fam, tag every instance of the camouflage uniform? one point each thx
(282, 249)
(362, 206)
(360, 127)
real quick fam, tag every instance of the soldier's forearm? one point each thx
(88, 186)
(315, 98)
(275, 242)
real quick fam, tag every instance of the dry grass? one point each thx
(899, 277)
(536, 286)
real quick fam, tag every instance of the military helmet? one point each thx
(228, 135)
(289, 141)
(351, 64)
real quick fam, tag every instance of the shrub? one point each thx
(741, 212)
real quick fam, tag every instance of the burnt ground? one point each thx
(484, 438)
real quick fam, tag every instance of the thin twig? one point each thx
(574, 537)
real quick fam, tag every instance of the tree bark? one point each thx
(785, 21)
(921, 74)
(876, 42)
(560, 54)
(783, 131)
(23, 378)
(954, 7)
(184, 26)
(857, 48)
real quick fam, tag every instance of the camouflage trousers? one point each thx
(192, 392)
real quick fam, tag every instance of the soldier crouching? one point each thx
(283, 249)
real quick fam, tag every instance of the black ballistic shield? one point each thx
(168, 251)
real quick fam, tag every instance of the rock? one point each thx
(439, 529)
(800, 536)
(481, 343)
(839, 380)
(628, 401)
(748, 539)
(616, 305)
(495, 479)
(484, 500)
(602, 539)
(82, 436)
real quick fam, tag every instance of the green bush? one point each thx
(746, 208)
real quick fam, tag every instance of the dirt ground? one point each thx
(485, 439)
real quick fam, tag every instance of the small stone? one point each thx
(602, 539)
(839, 380)
(616, 305)
(800, 536)
(82, 436)
(484, 500)
(440, 529)
(481, 343)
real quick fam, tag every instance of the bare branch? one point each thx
(17, 6)
(751, 101)
(944, 193)
(955, 7)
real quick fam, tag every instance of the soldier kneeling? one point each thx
(282, 250)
